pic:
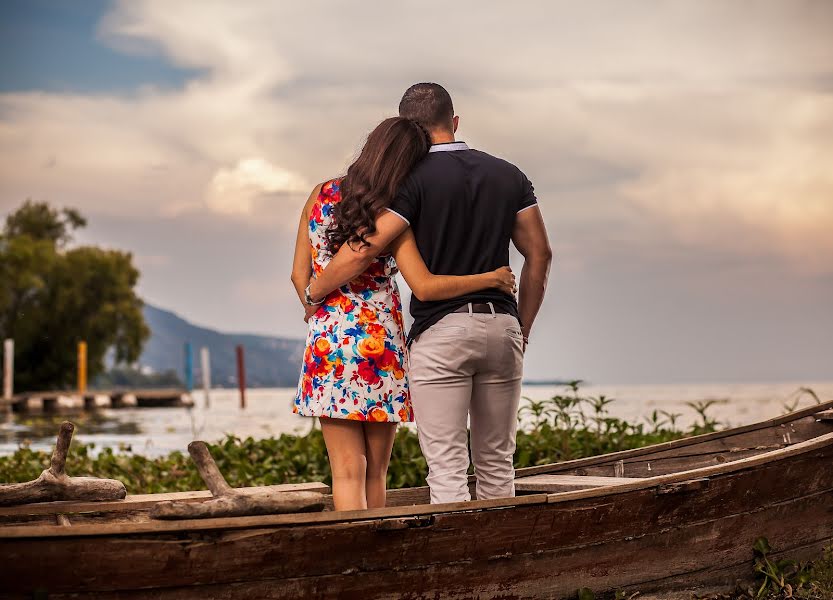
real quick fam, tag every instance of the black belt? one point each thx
(481, 308)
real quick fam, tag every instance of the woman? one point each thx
(354, 373)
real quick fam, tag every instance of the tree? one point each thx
(53, 296)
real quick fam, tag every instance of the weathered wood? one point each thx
(565, 483)
(688, 528)
(770, 428)
(632, 540)
(228, 502)
(752, 463)
(55, 484)
(139, 502)
(825, 415)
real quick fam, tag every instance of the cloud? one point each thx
(650, 130)
(235, 190)
(702, 106)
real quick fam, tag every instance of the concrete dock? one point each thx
(36, 402)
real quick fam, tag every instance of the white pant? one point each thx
(468, 365)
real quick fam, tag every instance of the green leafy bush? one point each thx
(564, 427)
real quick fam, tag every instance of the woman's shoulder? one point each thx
(325, 192)
(331, 187)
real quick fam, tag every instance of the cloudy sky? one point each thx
(682, 153)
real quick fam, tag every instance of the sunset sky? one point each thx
(682, 153)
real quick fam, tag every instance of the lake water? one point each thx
(156, 431)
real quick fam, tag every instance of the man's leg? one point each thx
(440, 375)
(496, 392)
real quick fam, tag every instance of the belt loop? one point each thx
(492, 308)
(470, 309)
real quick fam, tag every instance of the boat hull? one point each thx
(690, 530)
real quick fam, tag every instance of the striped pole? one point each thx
(82, 367)
(189, 367)
(241, 375)
(8, 369)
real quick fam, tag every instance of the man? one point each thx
(466, 354)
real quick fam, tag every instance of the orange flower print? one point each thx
(377, 414)
(405, 413)
(368, 372)
(321, 347)
(306, 385)
(356, 416)
(376, 330)
(346, 304)
(371, 347)
(367, 315)
(388, 361)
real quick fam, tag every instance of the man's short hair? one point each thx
(429, 104)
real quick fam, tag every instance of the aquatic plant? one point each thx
(566, 426)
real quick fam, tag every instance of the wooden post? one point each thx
(189, 367)
(241, 376)
(82, 367)
(229, 502)
(8, 369)
(205, 368)
(55, 484)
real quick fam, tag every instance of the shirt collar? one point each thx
(448, 147)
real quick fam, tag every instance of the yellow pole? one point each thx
(82, 367)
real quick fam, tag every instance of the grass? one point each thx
(784, 579)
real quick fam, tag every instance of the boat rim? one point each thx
(406, 512)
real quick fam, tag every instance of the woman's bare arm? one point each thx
(302, 262)
(427, 286)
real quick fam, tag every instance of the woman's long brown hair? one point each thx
(392, 149)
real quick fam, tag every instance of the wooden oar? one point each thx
(55, 484)
(229, 502)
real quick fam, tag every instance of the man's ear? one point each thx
(456, 123)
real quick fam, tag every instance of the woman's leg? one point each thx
(348, 461)
(379, 443)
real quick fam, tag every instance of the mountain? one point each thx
(270, 361)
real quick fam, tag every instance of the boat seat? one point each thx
(568, 483)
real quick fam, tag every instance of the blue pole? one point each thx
(189, 368)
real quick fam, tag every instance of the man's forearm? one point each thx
(344, 267)
(531, 290)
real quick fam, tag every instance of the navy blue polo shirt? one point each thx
(461, 204)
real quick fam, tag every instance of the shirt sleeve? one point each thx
(527, 198)
(406, 203)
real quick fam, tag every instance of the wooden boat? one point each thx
(677, 516)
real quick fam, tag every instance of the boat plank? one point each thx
(275, 520)
(734, 433)
(563, 483)
(808, 447)
(457, 555)
(134, 502)
(649, 466)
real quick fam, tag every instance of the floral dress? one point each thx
(355, 353)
